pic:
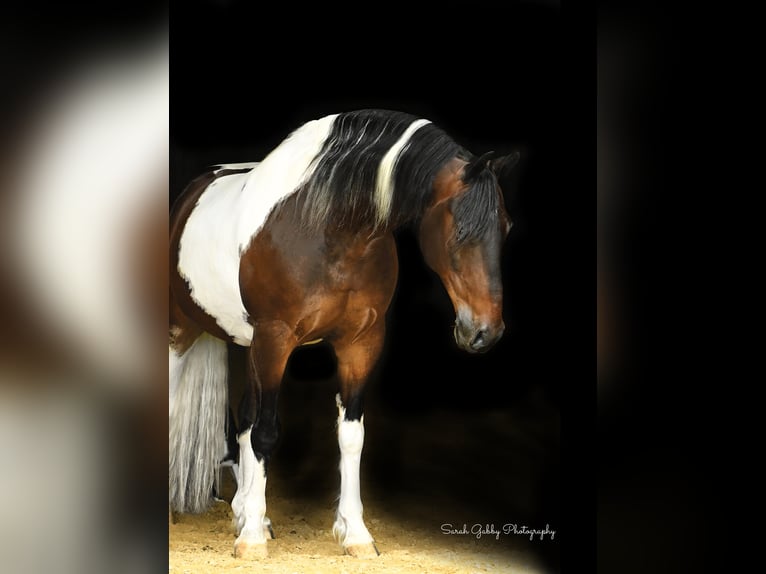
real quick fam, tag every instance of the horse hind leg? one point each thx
(249, 504)
(269, 352)
(232, 450)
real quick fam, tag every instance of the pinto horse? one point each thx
(300, 248)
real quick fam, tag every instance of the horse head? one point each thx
(461, 235)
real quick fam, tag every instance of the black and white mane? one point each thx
(376, 169)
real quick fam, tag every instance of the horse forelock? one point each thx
(477, 210)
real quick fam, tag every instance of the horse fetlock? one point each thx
(339, 530)
(238, 525)
(353, 536)
(238, 509)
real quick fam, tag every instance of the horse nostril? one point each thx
(478, 340)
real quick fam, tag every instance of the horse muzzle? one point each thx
(477, 337)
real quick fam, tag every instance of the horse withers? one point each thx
(300, 248)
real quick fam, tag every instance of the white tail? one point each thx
(198, 407)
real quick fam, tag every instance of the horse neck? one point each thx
(448, 182)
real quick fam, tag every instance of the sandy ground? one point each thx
(305, 544)
(419, 471)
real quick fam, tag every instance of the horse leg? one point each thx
(271, 347)
(356, 360)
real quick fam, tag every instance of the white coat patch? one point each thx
(230, 212)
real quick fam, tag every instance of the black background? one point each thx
(522, 78)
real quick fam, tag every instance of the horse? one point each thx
(300, 248)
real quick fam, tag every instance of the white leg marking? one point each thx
(249, 503)
(349, 526)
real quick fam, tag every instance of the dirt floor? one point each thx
(203, 544)
(421, 469)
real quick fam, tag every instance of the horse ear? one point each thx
(502, 166)
(476, 166)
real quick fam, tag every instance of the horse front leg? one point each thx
(356, 359)
(271, 347)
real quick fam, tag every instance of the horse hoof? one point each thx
(250, 550)
(363, 550)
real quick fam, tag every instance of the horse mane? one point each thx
(376, 169)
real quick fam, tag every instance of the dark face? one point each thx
(469, 268)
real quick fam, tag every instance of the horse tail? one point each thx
(197, 440)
